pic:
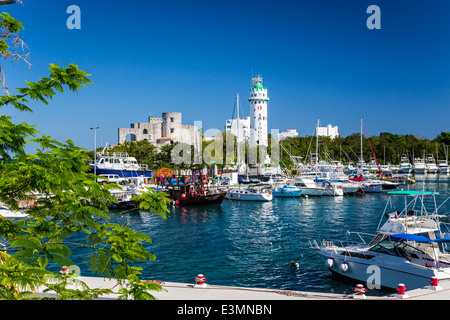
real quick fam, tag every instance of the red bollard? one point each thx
(434, 284)
(359, 292)
(200, 280)
(401, 289)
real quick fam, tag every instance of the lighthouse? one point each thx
(258, 113)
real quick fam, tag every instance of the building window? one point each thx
(145, 131)
(172, 130)
(171, 119)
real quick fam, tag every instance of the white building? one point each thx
(289, 133)
(231, 125)
(328, 131)
(258, 113)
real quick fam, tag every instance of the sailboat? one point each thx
(251, 193)
(317, 187)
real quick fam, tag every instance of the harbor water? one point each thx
(251, 244)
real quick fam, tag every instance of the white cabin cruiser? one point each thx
(431, 164)
(317, 188)
(409, 248)
(420, 166)
(405, 165)
(249, 194)
(443, 166)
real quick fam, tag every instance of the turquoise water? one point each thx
(252, 244)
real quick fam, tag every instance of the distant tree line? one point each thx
(387, 147)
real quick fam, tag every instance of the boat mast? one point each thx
(238, 137)
(361, 146)
(317, 147)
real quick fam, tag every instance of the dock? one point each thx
(192, 292)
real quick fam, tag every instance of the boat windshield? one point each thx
(397, 248)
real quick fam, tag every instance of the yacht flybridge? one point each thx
(409, 248)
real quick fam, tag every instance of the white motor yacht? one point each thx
(348, 187)
(431, 164)
(249, 194)
(420, 166)
(405, 165)
(409, 248)
(312, 188)
(443, 166)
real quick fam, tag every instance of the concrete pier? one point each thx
(188, 292)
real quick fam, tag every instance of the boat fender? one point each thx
(344, 266)
(329, 263)
(183, 196)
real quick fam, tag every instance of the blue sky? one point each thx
(317, 58)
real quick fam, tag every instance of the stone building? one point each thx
(161, 131)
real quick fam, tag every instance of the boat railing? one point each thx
(113, 154)
(361, 236)
(314, 244)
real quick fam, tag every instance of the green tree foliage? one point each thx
(67, 200)
(388, 147)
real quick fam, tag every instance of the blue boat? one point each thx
(119, 163)
(287, 191)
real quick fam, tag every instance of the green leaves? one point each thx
(9, 23)
(65, 199)
(44, 89)
(155, 202)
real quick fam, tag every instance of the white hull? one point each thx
(247, 195)
(432, 169)
(350, 190)
(405, 169)
(420, 170)
(393, 270)
(443, 169)
(319, 192)
(312, 189)
(372, 188)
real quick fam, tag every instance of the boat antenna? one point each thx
(376, 161)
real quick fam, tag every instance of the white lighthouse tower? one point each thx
(258, 113)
